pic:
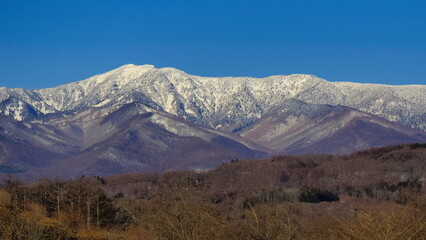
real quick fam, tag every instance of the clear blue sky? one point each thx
(48, 43)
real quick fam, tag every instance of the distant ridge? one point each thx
(142, 118)
(214, 101)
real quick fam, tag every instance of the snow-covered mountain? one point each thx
(297, 127)
(228, 103)
(140, 118)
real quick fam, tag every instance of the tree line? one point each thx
(179, 206)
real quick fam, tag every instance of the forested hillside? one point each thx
(373, 194)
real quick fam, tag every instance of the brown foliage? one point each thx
(5, 198)
(269, 223)
(399, 222)
(17, 225)
(381, 192)
(179, 212)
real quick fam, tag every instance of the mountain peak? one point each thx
(141, 117)
(212, 101)
(131, 65)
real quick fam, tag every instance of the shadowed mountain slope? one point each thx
(130, 138)
(140, 118)
(297, 127)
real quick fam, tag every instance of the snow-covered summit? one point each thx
(226, 102)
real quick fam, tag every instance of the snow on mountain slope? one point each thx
(229, 104)
(297, 127)
(140, 118)
(25, 145)
(115, 139)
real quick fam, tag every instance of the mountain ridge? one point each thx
(140, 118)
(197, 98)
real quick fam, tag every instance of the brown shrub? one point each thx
(5, 198)
(394, 224)
(269, 223)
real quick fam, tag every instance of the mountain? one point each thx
(117, 139)
(28, 146)
(297, 127)
(140, 118)
(230, 102)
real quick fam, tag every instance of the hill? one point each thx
(371, 194)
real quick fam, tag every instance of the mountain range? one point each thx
(142, 118)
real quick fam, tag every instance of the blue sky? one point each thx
(48, 43)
